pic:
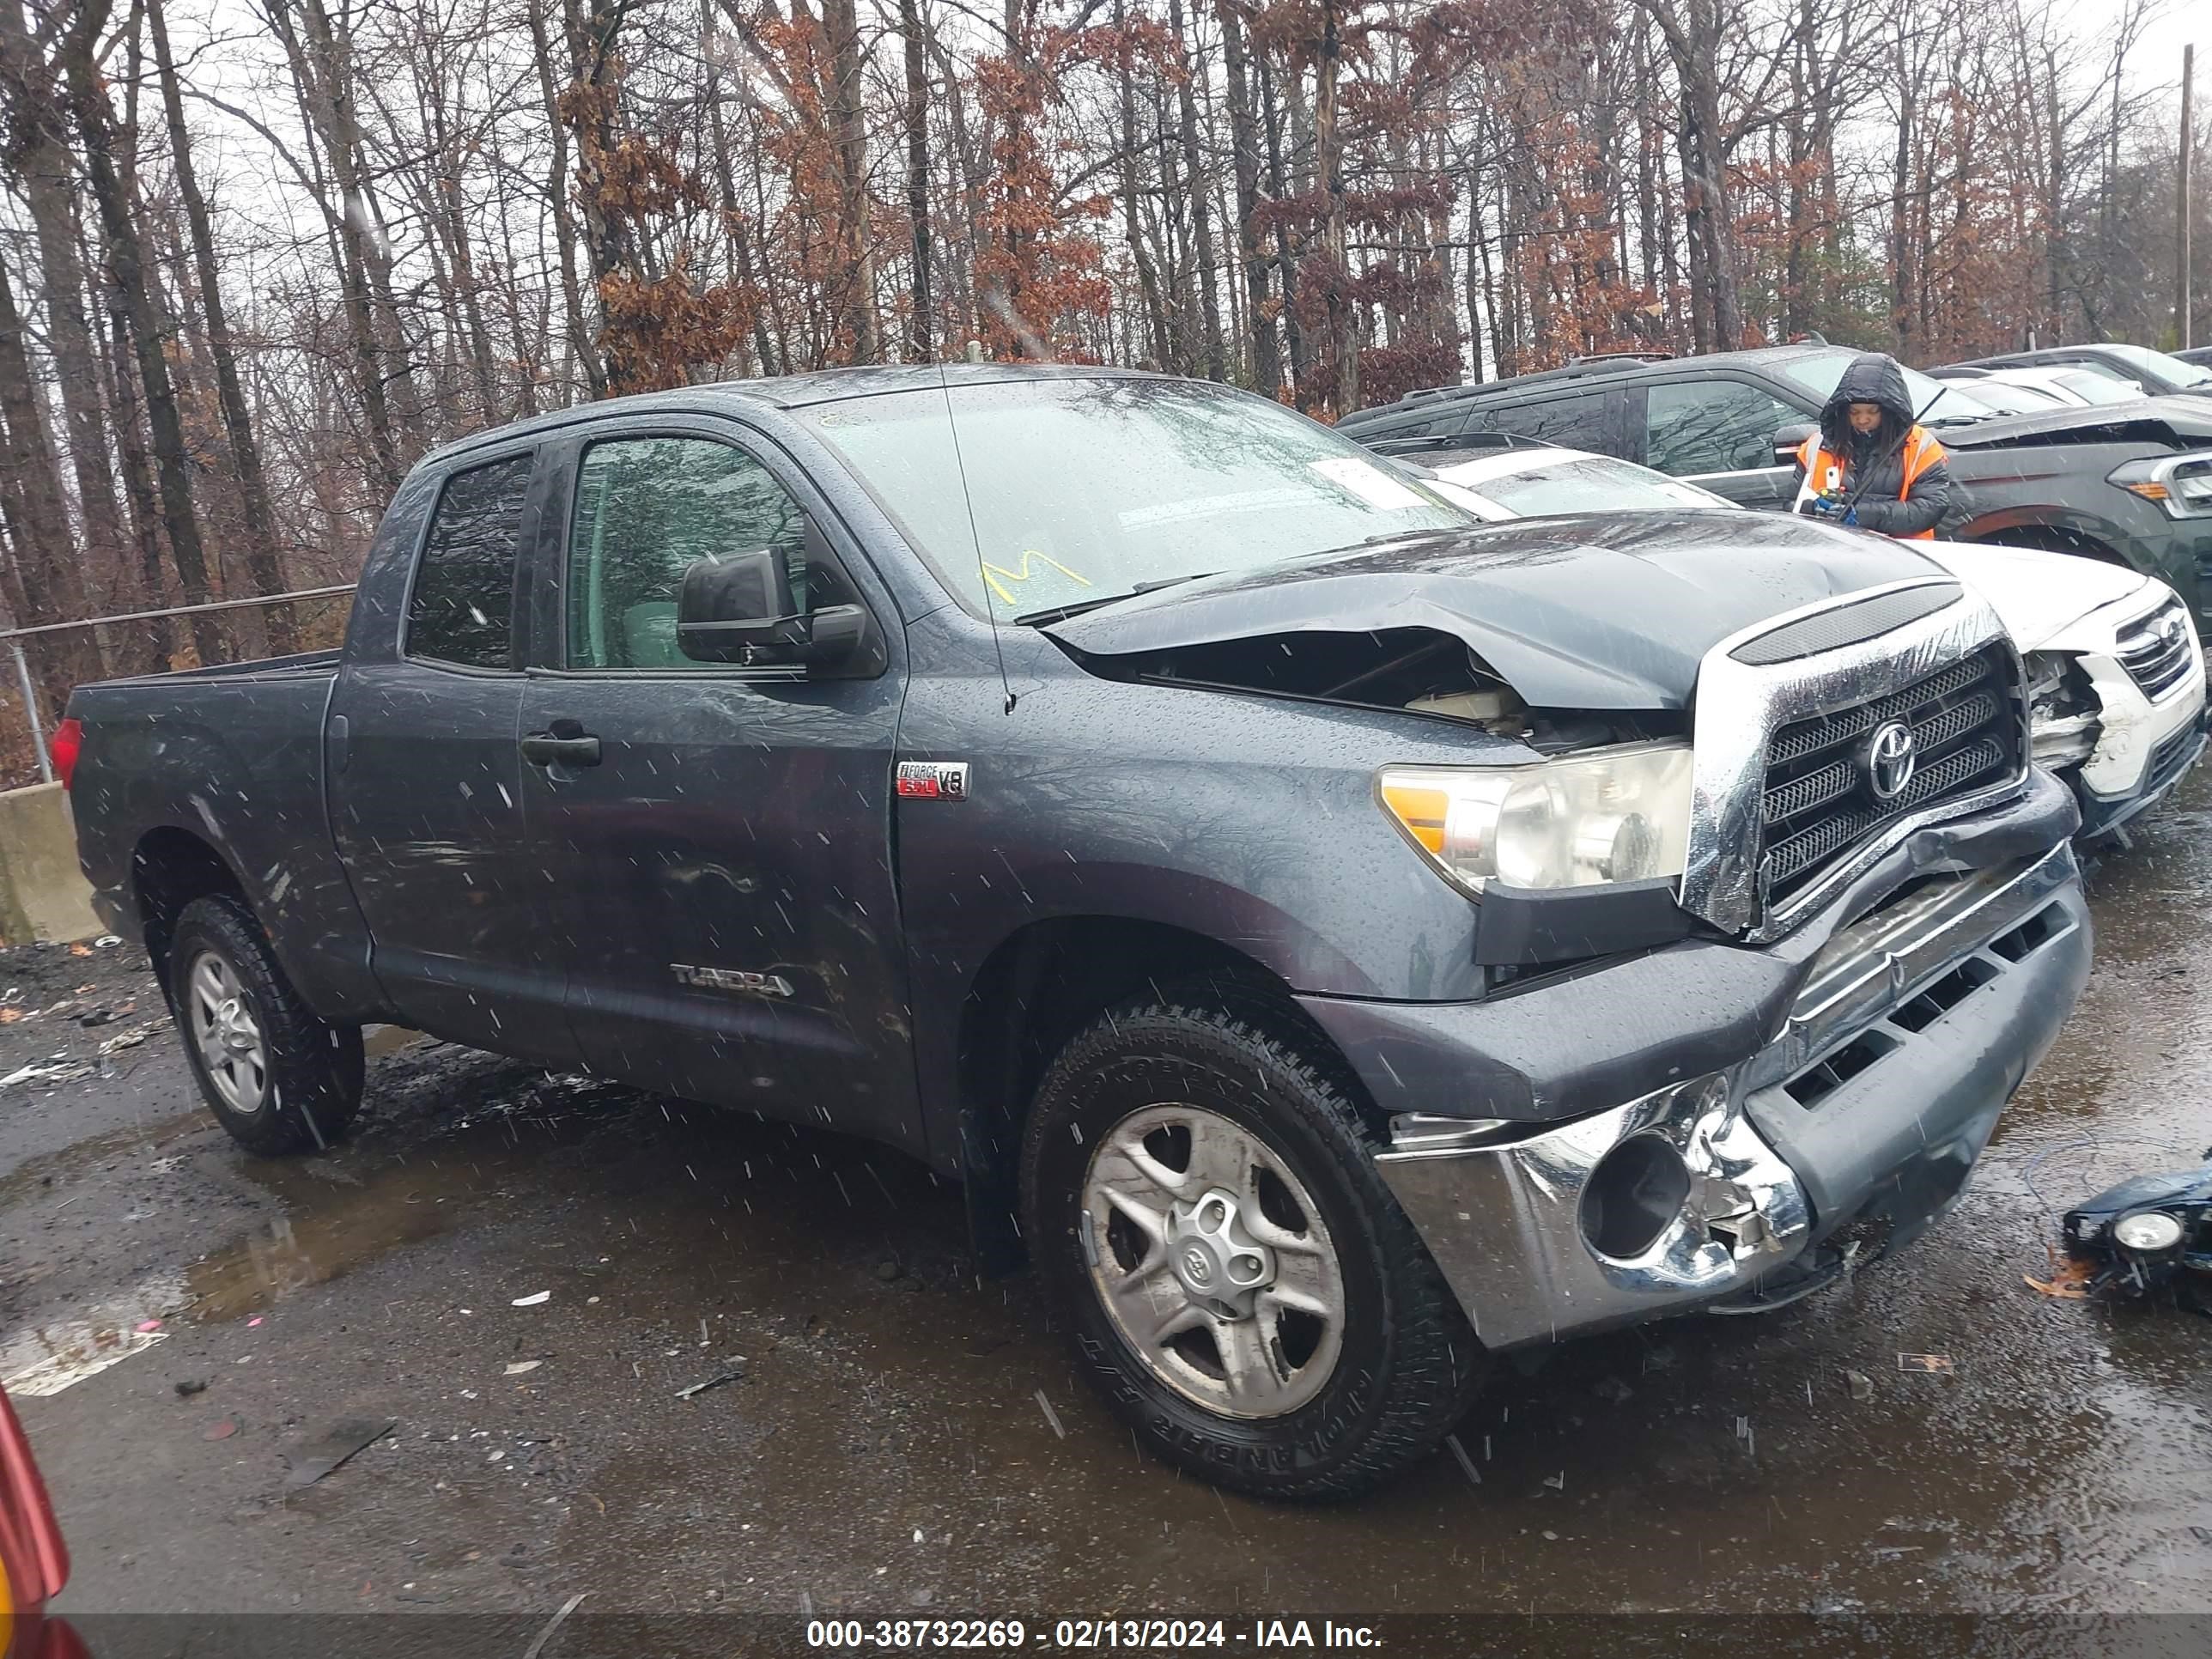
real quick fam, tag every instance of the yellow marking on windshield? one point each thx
(1030, 556)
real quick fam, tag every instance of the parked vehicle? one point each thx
(34, 1563)
(2131, 484)
(2200, 357)
(2066, 388)
(1351, 938)
(2159, 374)
(2116, 672)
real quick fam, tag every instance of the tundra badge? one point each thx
(932, 780)
(732, 979)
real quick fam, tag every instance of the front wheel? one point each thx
(277, 1076)
(1241, 1285)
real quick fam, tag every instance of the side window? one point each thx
(1713, 425)
(1574, 421)
(647, 510)
(1432, 424)
(462, 608)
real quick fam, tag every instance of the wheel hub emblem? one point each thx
(1892, 757)
(1196, 1268)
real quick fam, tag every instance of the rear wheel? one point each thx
(277, 1076)
(1240, 1284)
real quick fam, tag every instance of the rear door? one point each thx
(1717, 431)
(426, 787)
(717, 837)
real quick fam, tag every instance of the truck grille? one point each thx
(2155, 650)
(1820, 801)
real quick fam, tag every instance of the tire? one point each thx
(1318, 1407)
(282, 1079)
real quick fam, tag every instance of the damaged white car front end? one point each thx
(2116, 673)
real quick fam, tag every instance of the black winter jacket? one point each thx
(1876, 379)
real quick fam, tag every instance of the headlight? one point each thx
(2147, 1232)
(1612, 815)
(2182, 485)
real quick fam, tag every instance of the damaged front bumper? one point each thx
(1844, 1126)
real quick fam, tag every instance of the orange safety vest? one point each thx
(1921, 452)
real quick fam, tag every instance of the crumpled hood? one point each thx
(2036, 594)
(2169, 423)
(1587, 611)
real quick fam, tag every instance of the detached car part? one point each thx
(2146, 1234)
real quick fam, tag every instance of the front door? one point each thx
(719, 836)
(426, 785)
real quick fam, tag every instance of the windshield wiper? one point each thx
(1062, 612)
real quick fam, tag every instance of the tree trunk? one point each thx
(1343, 308)
(1286, 269)
(556, 198)
(1266, 352)
(128, 275)
(1193, 167)
(37, 516)
(1148, 279)
(263, 565)
(921, 330)
(36, 151)
(848, 126)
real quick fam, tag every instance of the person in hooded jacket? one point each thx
(1869, 465)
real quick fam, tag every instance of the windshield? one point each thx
(2170, 372)
(1999, 397)
(1589, 484)
(1082, 490)
(1934, 399)
(2100, 388)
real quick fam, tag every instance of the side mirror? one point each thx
(730, 608)
(1787, 439)
(742, 610)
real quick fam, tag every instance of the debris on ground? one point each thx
(2145, 1235)
(1862, 1385)
(1614, 1389)
(533, 1300)
(189, 1386)
(314, 1458)
(1936, 1364)
(131, 1038)
(220, 1430)
(517, 1367)
(60, 1068)
(733, 1371)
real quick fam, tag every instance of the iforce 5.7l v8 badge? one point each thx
(932, 780)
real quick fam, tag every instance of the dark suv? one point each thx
(2130, 483)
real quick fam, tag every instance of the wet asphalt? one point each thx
(888, 1436)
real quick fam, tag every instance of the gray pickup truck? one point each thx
(1334, 940)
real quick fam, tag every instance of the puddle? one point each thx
(47, 1358)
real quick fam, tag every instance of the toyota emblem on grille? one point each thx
(1891, 756)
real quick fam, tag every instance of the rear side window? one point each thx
(463, 606)
(1576, 421)
(1430, 423)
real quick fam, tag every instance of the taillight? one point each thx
(33, 1561)
(68, 743)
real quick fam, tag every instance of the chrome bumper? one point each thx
(1501, 1206)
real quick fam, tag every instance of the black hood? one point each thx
(1601, 610)
(1874, 378)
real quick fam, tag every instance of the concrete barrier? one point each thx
(43, 895)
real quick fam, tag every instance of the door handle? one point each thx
(545, 749)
